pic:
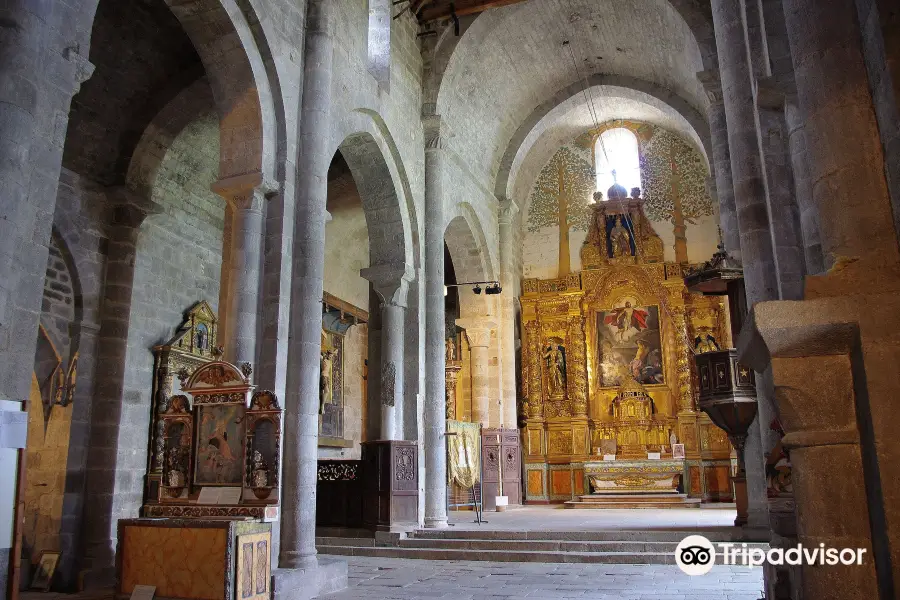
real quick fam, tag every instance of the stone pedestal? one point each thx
(390, 485)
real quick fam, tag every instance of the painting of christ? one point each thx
(629, 345)
(220, 444)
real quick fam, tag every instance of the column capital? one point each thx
(83, 68)
(436, 132)
(247, 192)
(391, 281)
(508, 211)
(478, 330)
(129, 207)
(712, 84)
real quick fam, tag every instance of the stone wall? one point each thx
(177, 264)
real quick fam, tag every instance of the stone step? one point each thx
(540, 545)
(723, 534)
(346, 541)
(633, 558)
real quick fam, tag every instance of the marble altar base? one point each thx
(634, 484)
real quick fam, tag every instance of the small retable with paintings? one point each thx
(212, 475)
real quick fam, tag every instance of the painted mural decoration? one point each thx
(629, 344)
(673, 170)
(563, 191)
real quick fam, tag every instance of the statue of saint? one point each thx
(555, 357)
(325, 369)
(451, 350)
(621, 239)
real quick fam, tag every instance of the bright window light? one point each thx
(617, 150)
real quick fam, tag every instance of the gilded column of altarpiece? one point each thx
(625, 318)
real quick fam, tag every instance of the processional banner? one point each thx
(463, 453)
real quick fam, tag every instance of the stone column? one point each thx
(721, 159)
(103, 493)
(247, 197)
(435, 385)
(809, 218)
(391, 283)
(815, 355)
(846, 160)
(787, 241)
(301, 418)
(509, 281)
(478, 331)
(41, 68)
(753, 221)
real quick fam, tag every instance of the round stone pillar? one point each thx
(845, 156)
(478, 332)
(435, 387)
(301, 411)
(390, 283)
(757, 254)
(247, 198)
(721, 160)
(509, 282)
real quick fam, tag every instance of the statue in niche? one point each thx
(451, 350)
(202, 337)
(326, 365)
(260, 471)
(704, 344)
(555, 360)
(621, 239)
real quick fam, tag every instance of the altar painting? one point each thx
(219, 445)
(629, 344)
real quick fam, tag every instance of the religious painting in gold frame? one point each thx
(629, 344)
(220, 439)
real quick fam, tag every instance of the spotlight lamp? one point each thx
(490, 287)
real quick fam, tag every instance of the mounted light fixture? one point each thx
(490, 287)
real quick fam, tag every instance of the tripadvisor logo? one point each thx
(696, 555)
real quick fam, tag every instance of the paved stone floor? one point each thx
(556, 518)
(404, 579)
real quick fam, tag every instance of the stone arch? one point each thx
(383, 183)
(471, 258)
(241, 78)
(694, 117)
(188, 106)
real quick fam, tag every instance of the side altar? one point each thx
(607, 363)
(212, 483)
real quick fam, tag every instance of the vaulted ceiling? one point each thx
(511, 68)
(433, 10)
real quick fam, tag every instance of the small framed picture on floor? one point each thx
(46, 567)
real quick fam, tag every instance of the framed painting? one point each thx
(629, 344)
(220, 445)
(45, 568)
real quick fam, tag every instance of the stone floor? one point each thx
(404, 579)
(556, 518)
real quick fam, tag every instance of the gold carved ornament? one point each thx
(577, 367)
(535, 403)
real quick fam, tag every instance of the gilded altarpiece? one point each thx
(626, 317)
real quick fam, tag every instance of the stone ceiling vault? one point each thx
(511, 60)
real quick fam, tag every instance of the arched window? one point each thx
(616, 151)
